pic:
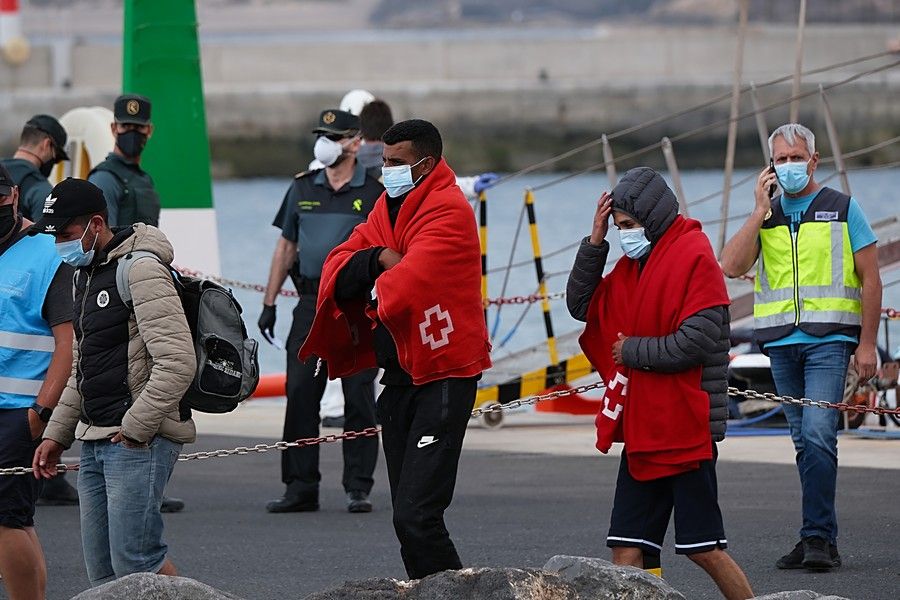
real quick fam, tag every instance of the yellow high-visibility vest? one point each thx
(807, 279)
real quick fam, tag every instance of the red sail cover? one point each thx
(663, 418)
(430, 302)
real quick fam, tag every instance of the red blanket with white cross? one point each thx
(430, 302)
(663, 418)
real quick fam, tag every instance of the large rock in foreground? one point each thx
(599, 579)
(149, 586)
(563, 578)
(798, 595)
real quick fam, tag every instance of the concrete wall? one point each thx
(486, 89)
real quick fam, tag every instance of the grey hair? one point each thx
(791, 132)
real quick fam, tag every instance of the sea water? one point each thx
(245, 209)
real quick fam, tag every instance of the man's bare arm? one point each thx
(282, 258)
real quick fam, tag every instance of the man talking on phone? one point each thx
(817, 302)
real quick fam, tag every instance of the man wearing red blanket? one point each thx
(425, 327)
(658, 333)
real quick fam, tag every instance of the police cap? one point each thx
(132, 108)
(338, 122)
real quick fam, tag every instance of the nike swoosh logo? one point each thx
(425, 441)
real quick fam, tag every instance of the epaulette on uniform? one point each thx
(302, 174)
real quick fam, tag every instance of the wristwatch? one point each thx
(43, 412)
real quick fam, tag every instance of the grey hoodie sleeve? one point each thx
(695, 339)
(585, 276)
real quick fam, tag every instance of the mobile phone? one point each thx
(772, 187)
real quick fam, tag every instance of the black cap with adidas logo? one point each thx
(70, 198)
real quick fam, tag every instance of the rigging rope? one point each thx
(656, 120)
(711, 126)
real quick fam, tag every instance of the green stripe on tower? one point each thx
(161, 60)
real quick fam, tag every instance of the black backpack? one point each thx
(227, 362)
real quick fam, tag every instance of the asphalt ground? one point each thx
(511, 509)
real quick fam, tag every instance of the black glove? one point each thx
(267, 322)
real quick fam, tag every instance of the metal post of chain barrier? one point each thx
(542, 280)
(492, 408)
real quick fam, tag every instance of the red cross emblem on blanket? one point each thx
(436, 328)
(614, 398)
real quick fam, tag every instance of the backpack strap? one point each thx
(123, 268)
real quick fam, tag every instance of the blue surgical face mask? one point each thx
(634, 243)
(792, 176)
(398, 180)
(73, 253)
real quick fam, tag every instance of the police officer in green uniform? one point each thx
(128, 189)
(41, 146)
(319, 212)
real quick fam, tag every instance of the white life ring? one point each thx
(89, 141)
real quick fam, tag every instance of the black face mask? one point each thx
(9, 222)
(131, 143)
(47, 167)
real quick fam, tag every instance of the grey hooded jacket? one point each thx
(702, 339)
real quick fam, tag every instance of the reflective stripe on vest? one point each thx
(806, 278)
(26, 340)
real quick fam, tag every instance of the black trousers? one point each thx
(300, 466)
(422, 431)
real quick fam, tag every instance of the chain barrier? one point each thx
(233, 283)
(478, 412)
(841, 406)
(529, 299)
(327, 439)
(497, 407)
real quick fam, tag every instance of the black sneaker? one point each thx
(171, 505)
(816, 554)
(793, 559)
(835, 557)
(287, 504)
(358, 502)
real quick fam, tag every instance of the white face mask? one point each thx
(398, 180)
(327, 151)
(634, 243)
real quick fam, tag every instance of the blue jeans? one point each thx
(120, 491)
(818, 372)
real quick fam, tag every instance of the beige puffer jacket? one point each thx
(161, 358)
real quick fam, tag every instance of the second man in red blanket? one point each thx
(658, 333)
